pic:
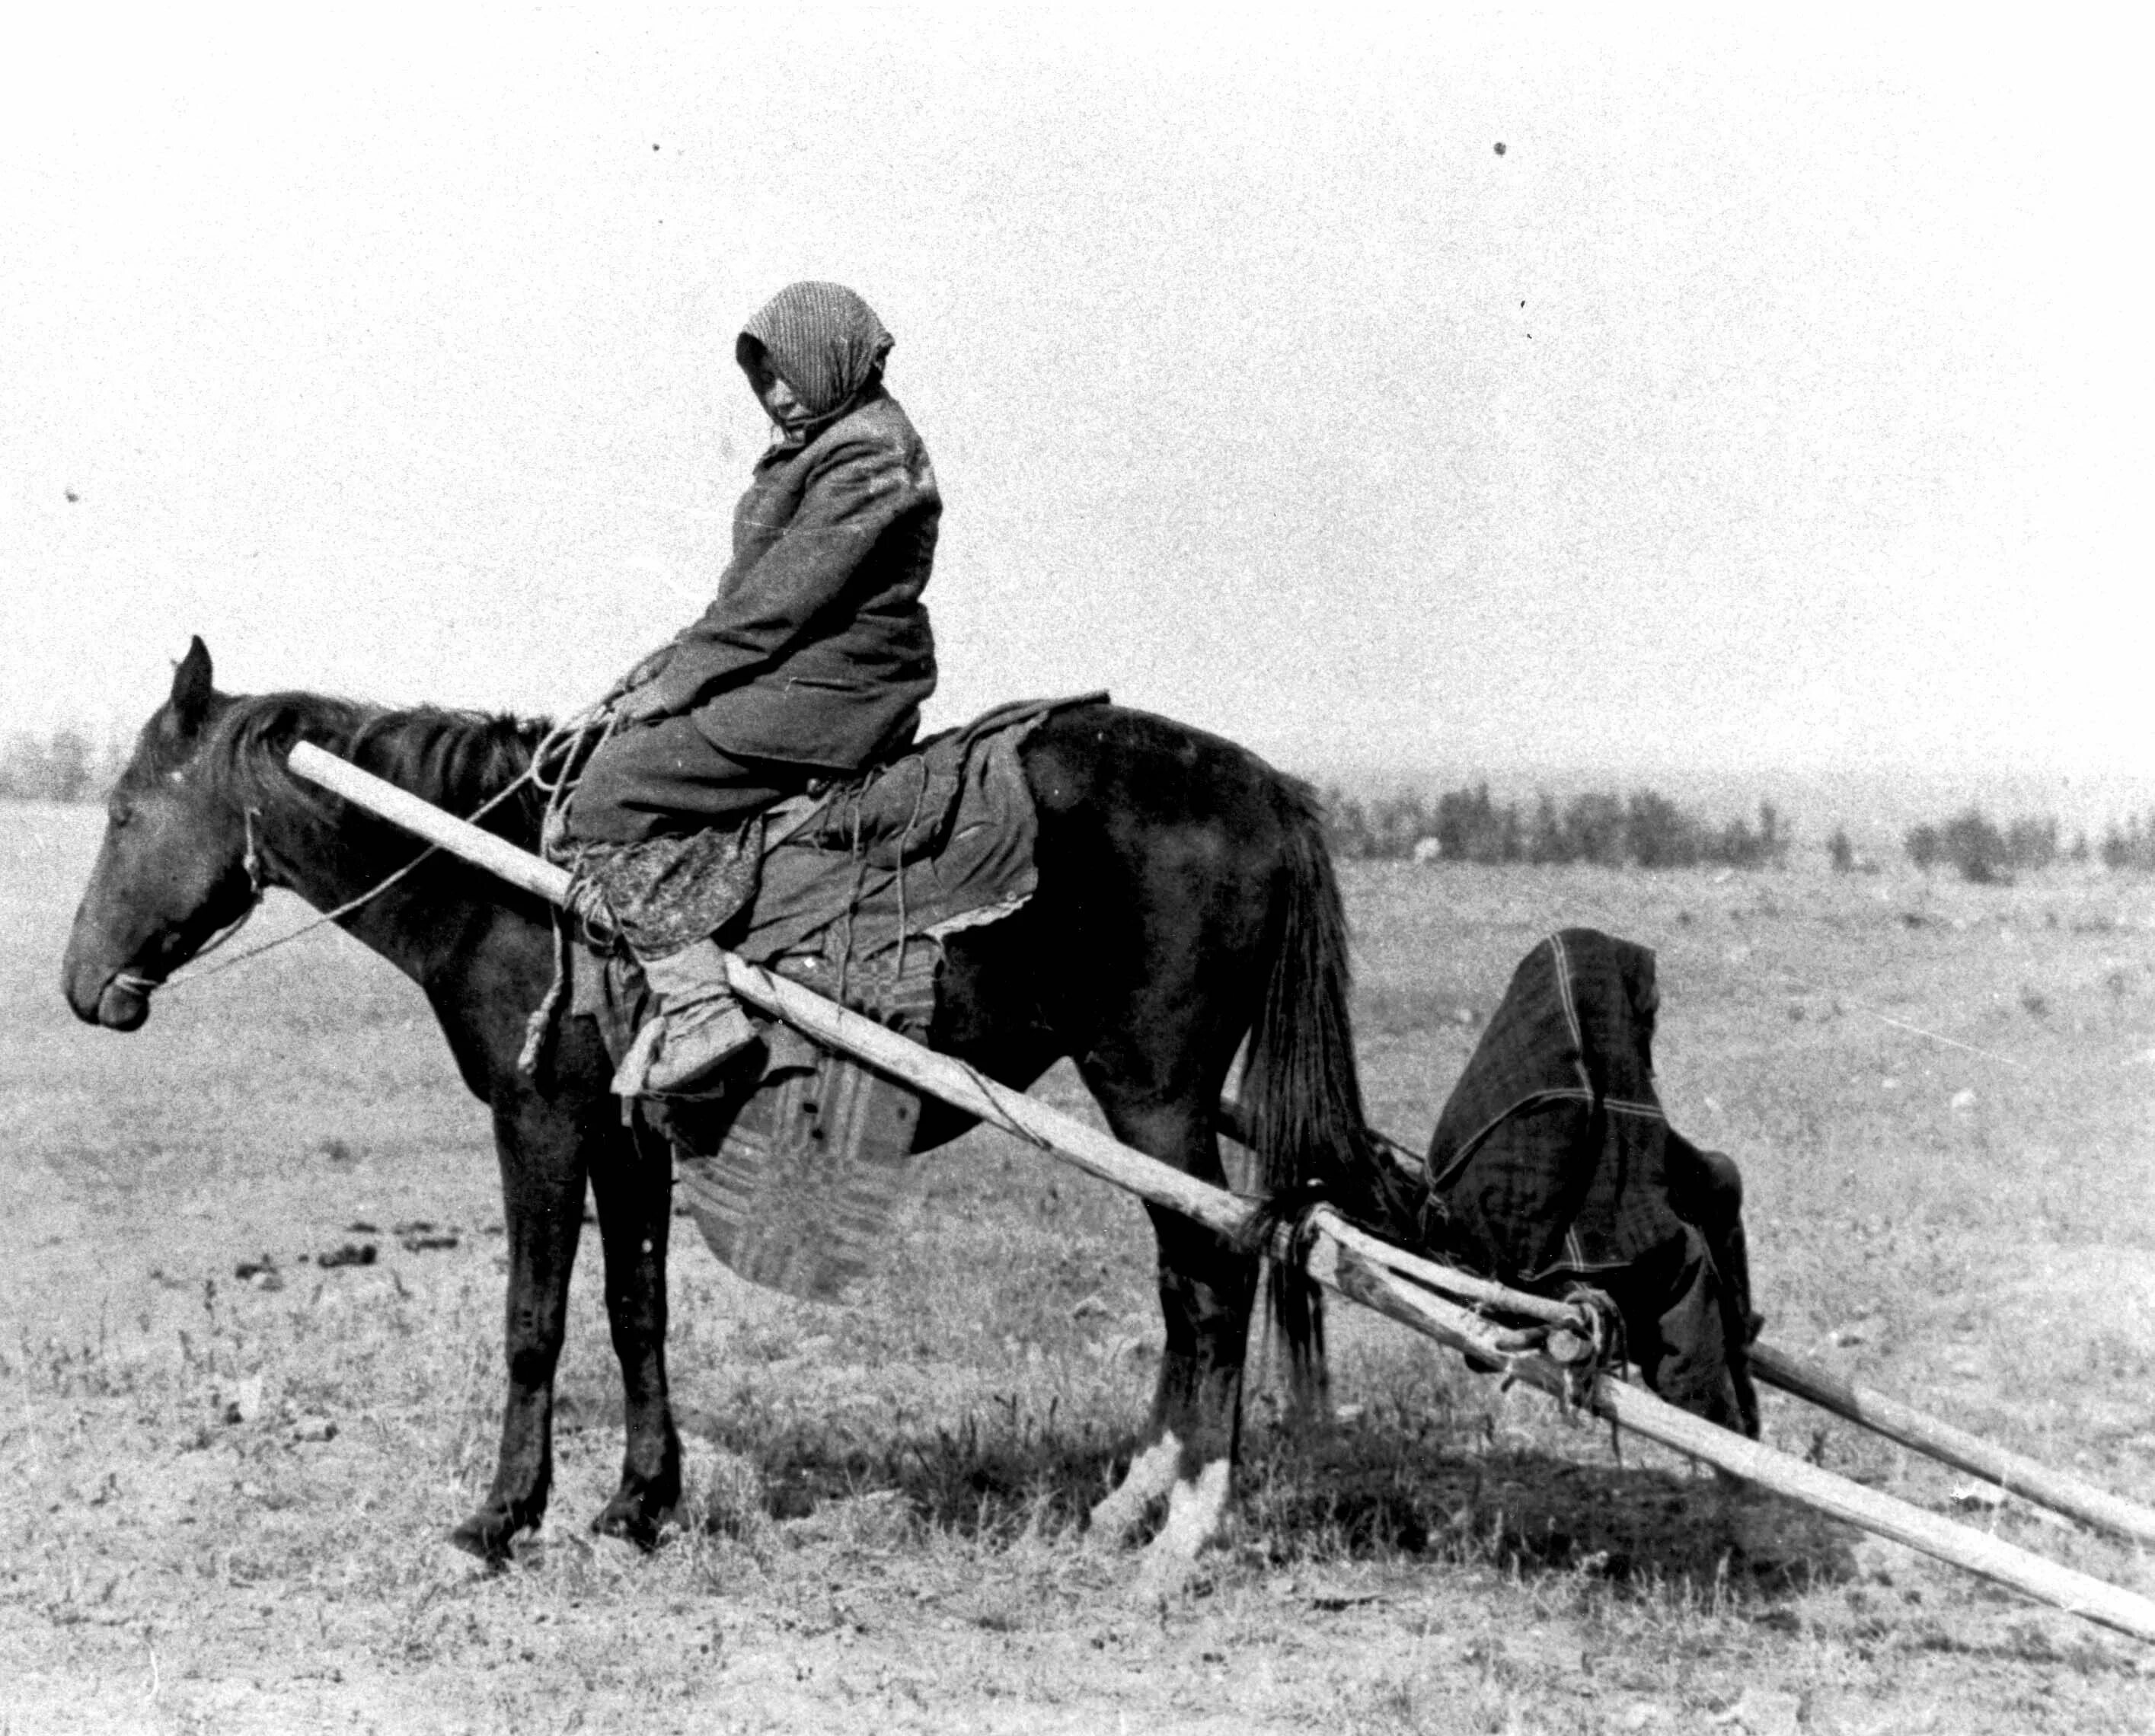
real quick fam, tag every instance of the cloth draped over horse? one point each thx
(791, 1169)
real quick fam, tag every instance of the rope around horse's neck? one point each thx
(533, 774)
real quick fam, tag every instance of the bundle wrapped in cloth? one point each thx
(1553, 1166)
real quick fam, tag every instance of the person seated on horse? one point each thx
(814, 658)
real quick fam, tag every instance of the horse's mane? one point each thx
(456, 760)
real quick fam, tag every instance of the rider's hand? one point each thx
(642, 705)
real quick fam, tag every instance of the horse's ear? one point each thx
(189, 705)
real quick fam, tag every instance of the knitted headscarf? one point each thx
(822, 341)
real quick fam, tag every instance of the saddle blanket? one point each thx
(794, 1180)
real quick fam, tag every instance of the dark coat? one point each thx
(816, 651)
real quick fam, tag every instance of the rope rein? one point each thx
(532, 1058)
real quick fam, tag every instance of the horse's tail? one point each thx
(1301, 1095)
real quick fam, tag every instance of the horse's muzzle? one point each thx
(121, 1007)
(118, 1003)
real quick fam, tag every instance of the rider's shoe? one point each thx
(697, 1027)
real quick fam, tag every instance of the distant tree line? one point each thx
(1647, 830)
(1979, 850)
(1982, 851)
(65, 766)
(2131, 846)
(1644, 830)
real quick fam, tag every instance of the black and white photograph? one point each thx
(1076, 869)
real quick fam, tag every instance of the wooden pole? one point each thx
(460, 837)
(1635, 1408)
(1347, 1260)
(2058, 1490)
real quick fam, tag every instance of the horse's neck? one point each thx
(383, 913)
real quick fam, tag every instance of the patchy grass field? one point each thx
(223, 1497)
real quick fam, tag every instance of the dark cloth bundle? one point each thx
(1549, 1155)
(1553, 1164)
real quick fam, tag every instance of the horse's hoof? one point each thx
(1196, 1513)
(486, 1535)
(632, 1522)
(1116, 1516)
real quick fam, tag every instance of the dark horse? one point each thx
(1185, 903)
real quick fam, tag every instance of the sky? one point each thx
(1776, 396)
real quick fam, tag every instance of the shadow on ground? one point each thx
(1346, 1493)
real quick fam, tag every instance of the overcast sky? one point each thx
(1777, 396)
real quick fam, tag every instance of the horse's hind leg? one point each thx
(1206, 1289)
(633, 1182)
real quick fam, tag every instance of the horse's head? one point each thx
(175, 866)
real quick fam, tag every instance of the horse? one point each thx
(1186, 910)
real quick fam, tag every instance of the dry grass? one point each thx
(222, 1500)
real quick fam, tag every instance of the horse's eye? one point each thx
(120, 816)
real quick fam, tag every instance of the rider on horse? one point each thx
(815, 657)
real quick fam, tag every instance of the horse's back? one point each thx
(1127, 769)
(1160, 854)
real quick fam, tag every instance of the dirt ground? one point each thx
(230, 1452)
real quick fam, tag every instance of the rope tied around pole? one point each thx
(1590, 1345)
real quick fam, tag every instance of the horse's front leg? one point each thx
(1187, 1454)
(541, 1152)
(633, 1180)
